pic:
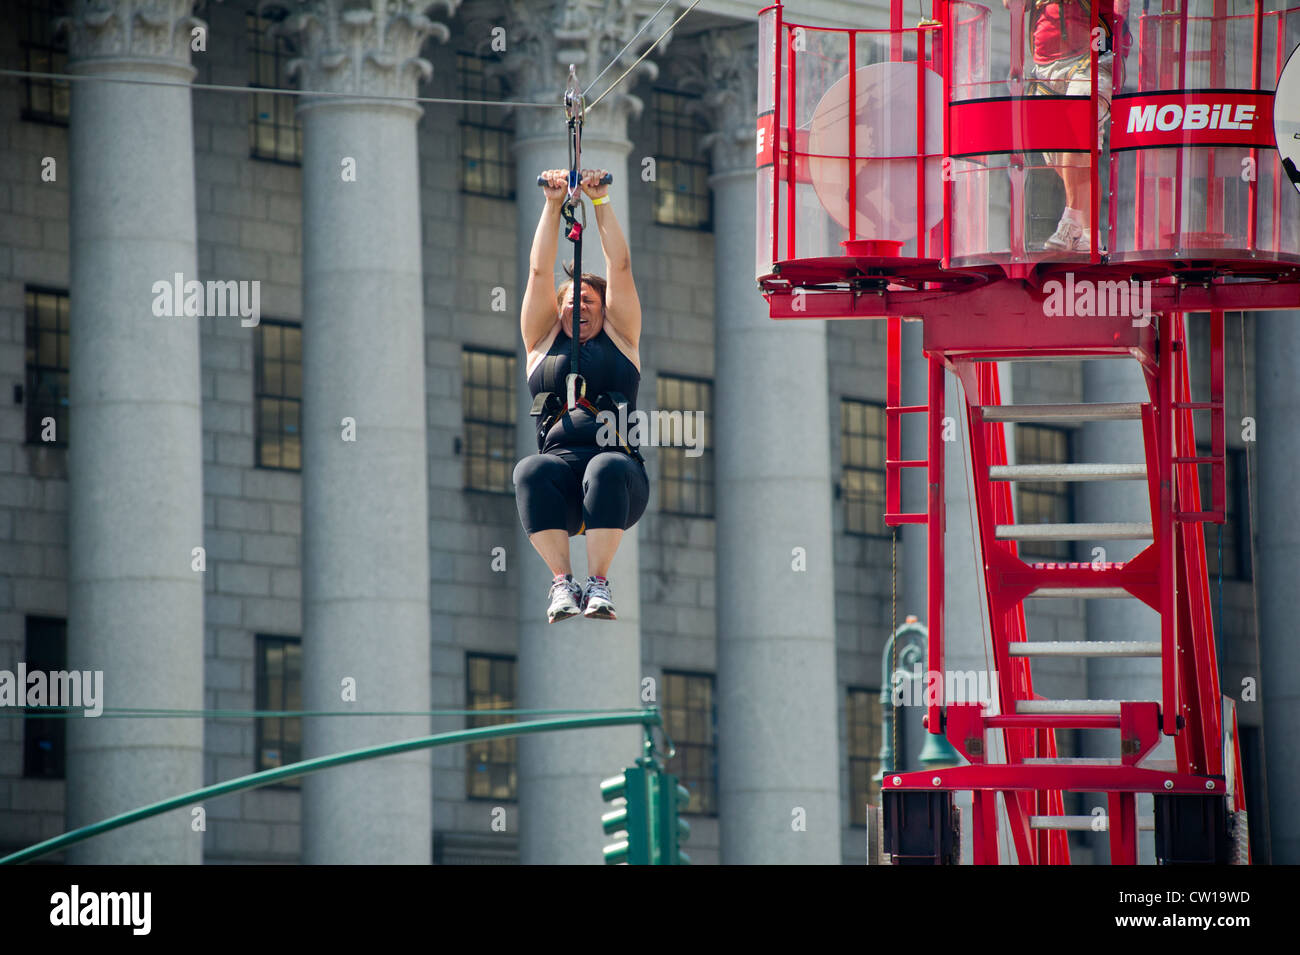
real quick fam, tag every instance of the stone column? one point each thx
(1277, 509)
(1136, 678)
(578, 663)
(778, 763)
(135, 606)
(365, 489)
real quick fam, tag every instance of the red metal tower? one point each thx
(893, 171)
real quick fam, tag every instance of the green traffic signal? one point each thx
(631, 820)
(674, 829)
(647, 817)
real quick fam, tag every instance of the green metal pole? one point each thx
(649, 716)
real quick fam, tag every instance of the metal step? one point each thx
(1068, 472)
(1097, 823)
(1039, 707)
(1098, 411)
(1084, 593)
(1085, 648)
(1058, 358)
(1072, 761)
(1117, 530)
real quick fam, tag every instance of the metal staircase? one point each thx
(1168, 574)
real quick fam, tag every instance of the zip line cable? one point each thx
(628, 45)
(62, 712)
(222, 88)
(448, 101)
(645, 54)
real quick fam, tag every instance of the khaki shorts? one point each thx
(1070, 77)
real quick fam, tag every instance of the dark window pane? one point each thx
(487, 164)
(274, 130)
(488, 399)
(490, 764)
(862, 453)
(278, 385)
(689, 719)
(686, 481)
(1043, 502)
(682, 196)
(46, 349)
(278, 686)
(863, 713)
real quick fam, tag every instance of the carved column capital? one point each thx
(130, 29)
(546, 37)
(728, 75)
(367, 50)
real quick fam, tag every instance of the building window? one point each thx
(487, 165)
(1236, 529)
(1044, 205)
(685, 480)
(681, 196)
(691, 719)
(488, 400)
(279, 687)
(45, 101)
(492, 764)
(274, 132)
(862, 452)
(1044, 502)
(278, 395)
(44, 738)
(862, 708)
(47, 366)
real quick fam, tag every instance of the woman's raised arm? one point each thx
(622, 305)
(537, 315)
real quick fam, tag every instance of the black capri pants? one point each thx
(565, 489)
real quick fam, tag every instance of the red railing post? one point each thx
(935, 521)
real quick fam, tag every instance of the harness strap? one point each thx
(549, 407)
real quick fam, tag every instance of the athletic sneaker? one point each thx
(598, 602)
(565, 594)
(1069, 236)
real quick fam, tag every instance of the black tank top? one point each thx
(603, 366)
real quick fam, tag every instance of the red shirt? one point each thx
(1061, 30)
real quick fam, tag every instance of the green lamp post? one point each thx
(937, 752)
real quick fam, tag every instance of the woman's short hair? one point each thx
(595, 281)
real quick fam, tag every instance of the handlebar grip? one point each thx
(605, 180)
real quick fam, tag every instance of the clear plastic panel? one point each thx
(767, 85)
(1010, 201)
(856, 122)
(1194, 65)
(766, 60)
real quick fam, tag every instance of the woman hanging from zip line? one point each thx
(581, 481)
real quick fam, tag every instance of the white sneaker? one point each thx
(598, 602)
(1069, 236)
(565, 594)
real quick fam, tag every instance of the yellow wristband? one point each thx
(601, 201)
